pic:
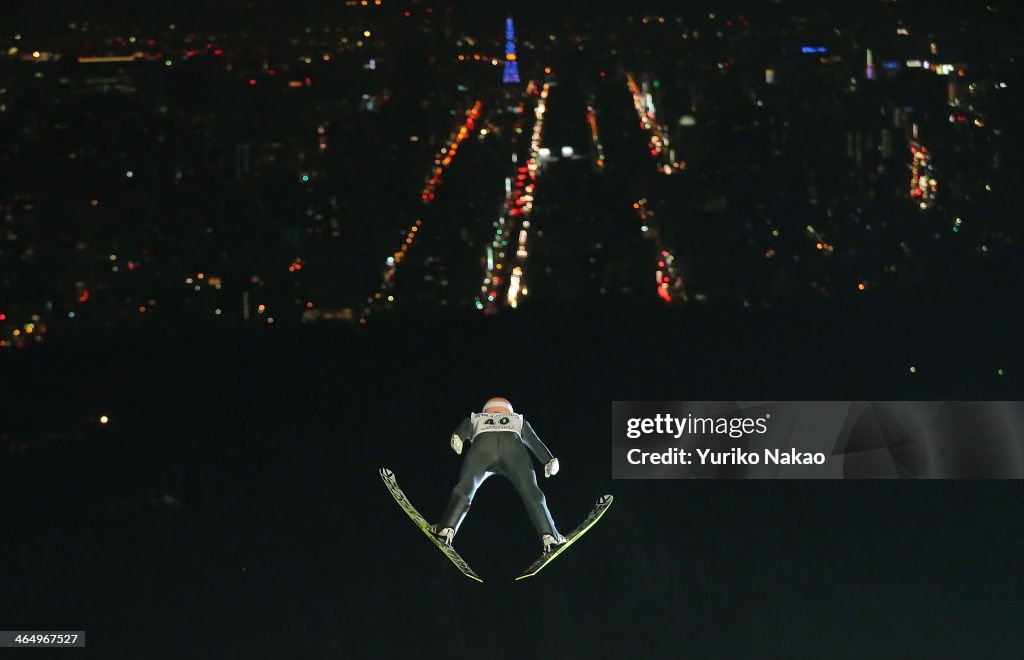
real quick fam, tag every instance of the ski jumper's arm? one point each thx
(538, 448)
(465, 430)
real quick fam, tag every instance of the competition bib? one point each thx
(484, 422)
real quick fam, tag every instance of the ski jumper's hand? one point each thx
(551, 468)
(456, 443)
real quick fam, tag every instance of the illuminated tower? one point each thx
(511, 73)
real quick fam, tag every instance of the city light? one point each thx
(597, 149)
(122, 251)
(658, 145)
(442, 160)
(510, 75)
(518, 208)
(668, 279)
(923, 183)
(446, 154)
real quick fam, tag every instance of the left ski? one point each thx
(599, 509)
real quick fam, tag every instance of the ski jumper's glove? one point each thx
(456, 443)
(551, 468)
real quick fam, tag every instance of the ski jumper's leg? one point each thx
(476, 467)
(515, 464)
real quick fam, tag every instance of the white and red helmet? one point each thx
(498, 402)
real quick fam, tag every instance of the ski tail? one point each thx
(399, 495)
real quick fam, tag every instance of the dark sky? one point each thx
(285, 543)
(224, 10)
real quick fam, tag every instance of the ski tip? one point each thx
(386, 473)
(605, 499)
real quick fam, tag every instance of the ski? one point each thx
(392, 483)
(599, 509)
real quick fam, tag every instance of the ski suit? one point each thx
(497, 445)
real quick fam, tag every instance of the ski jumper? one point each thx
(497, 445)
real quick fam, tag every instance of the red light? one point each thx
(252, 81)
(271, 72)
(407, 13)
(218, 52)
(602, 74)
(131, 265)
(661, 264)
(83, 296)
(3, 317)
(298, 266)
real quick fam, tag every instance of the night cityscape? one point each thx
(251, 252)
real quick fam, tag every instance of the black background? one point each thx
(285, 544)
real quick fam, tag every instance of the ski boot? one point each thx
(446, 534)
(551, 543)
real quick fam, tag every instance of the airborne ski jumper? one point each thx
(498, 439)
